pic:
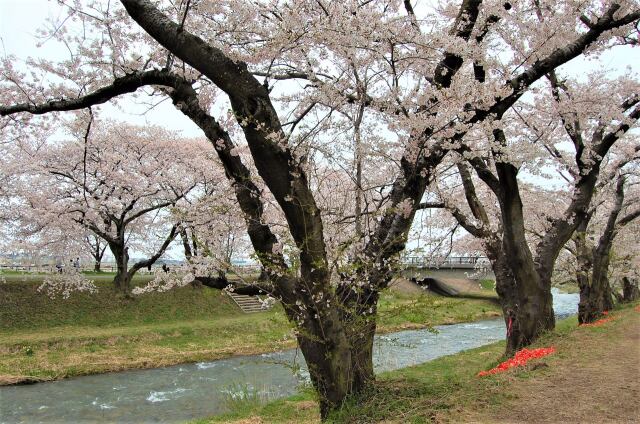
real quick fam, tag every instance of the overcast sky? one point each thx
(19, 21)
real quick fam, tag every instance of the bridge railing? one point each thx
(448, 262)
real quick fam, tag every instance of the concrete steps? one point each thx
(248, 304)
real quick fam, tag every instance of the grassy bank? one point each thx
(43, 338)
(593, 377)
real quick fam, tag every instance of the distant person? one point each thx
(59, 265)
(165, 268)
(149, 267)
(76, 264)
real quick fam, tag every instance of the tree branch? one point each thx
(139, 265)
(122, 85)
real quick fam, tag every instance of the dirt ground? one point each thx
(462, 285)
(595, 379)
(404, 286)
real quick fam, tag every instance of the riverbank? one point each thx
(594, 376)
(47, 339)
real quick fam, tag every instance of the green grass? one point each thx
(489, 285)
(44, 338)
(299, 408)
(407, 311)
(22, 307)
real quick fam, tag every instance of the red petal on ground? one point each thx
(519, 359)
(598, 323)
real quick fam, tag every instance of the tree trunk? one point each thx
(594, 300)
(358, 312)
(188, 254)
(341, 368)
(523, 324)
(508, 295)
(630, 291)
(535, 310)
(327, 352)
(596, 295)
(97, 253)
(336, 340)
(122, 280)
(534, 313)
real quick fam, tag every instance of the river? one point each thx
(183, 392)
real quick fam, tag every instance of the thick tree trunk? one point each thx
(525, 310)
(97, 266)
(595, 299)
(508, 294)
(534, 313)
(326, 350)
(122, 280)
(338, 348)
(336, 340)
(358, 312)
(341, 369)
(630, 291)
(535, 308)
(328, 368)
(596, 295)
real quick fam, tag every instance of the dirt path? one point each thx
(595, 378)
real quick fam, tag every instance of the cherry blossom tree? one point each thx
(431, 80)
(594, 259)
(119, 183)
(543, 129)
(476, 209)
(212, 226)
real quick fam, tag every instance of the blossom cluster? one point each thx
(65, 283)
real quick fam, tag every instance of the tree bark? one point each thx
(534, 314)
(630, 291)
(358, 306)
(188, 254)
(594, 300)
(122, 280)
(507, 290)
(596, 295)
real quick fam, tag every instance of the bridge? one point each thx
(421, 267)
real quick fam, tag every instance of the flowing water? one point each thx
(183, 392)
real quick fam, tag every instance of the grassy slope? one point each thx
(447, 389)
(41, 338)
